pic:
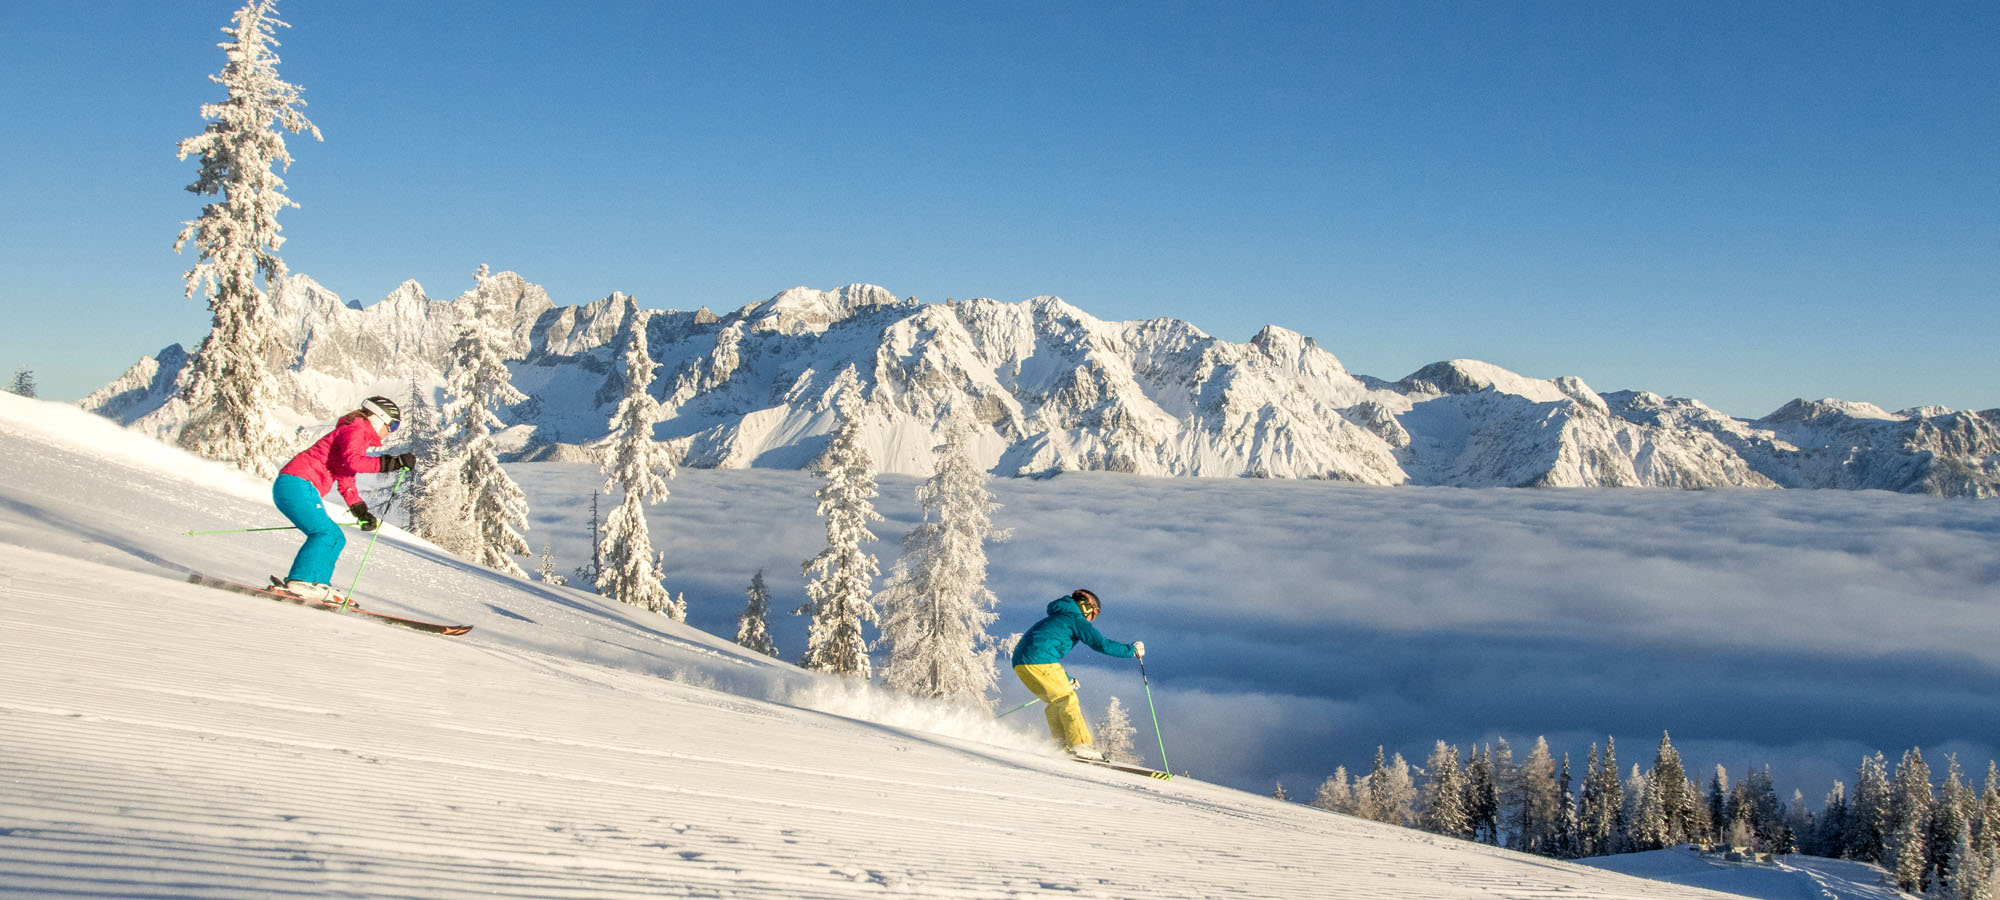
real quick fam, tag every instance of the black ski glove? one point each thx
(394, 461)
(366, 518)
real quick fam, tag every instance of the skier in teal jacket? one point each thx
(1038, 662)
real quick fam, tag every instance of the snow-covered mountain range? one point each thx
(1056, 389)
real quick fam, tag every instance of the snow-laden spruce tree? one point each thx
(420, 484)
(24, 382)
(753, 627)
(230, 383)
(1677, 799)
(839, 592)
(547, 572)
(1115, 735)
(1335, 794)
(1482, 797)
(935, 613)
(1535, 802)
(1601, 811)
(588, 572)
(1911, 805)
(639, 466)
(1869, 813)
(492, 510)
(1443, 800)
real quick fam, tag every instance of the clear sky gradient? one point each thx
(1737, 202)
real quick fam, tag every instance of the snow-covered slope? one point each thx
(159, 739)
(1056, 389)
(1804, 877)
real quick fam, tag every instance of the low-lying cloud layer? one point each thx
(1294, 626)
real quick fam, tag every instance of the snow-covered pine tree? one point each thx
(24, 382)
(640, 467)
(1597, 811)
(1910, 808)
(1646, 821)
(1444, 794)
(1677, 803)
(420, 484)
(1398, 794)
(547, 571)
(229, 386)
(1116, 737)
(493, 510)
(1983, 855)
(1482, 797)
(1718, 804)
(1535, 803)
(1335, 794)
(838, 596)
(1951, 820)
(588, 572)
(1869, 814)
(935, 613)
(1568, 827)
(1829, 832)
(753, 627)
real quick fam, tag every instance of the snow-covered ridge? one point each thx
(1056, 389)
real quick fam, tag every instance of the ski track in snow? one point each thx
(160, 739)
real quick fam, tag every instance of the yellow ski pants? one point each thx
(1064, 711)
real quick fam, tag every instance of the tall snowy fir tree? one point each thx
(1951, 825)
(230, 383)
(1677, 799)
(24, 382)
(1601, 810)
(1482, 798)
(839, 593)
(753, 627)
(1718, 804)
(1910, 808)
(588, 572)
(492, 511)
(1536, 816)
(1116, 736)
(1568, 827)
(1869, 813)
(420, 484)
(1443, 802)
(934, 616)
(638, 467)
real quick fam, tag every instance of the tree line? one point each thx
(1938, 838)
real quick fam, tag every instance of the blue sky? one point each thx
(1742, 203)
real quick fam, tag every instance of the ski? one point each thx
(288, 597)
(1136, 770)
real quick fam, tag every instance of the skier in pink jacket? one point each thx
(333, 461)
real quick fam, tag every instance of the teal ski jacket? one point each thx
(1053, 637)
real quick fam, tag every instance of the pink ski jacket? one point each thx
(338, 457)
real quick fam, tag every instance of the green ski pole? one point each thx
(1019, 708)
(377, 535)
(1164, 766)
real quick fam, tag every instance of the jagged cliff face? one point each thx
(1055, 390)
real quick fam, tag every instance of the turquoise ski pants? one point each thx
(299, 501)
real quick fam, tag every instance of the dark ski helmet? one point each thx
(1086, 601)
(383, 409)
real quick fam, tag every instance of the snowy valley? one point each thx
(1057, 390)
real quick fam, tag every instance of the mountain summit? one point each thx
(1056, 389)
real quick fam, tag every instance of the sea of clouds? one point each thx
(1294, 626)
